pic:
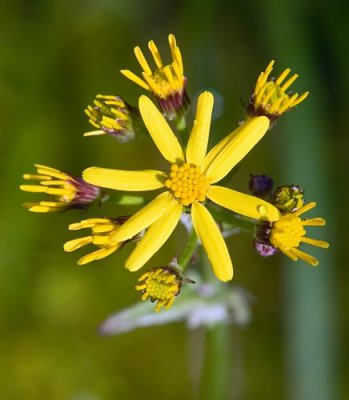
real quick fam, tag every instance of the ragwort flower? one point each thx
(64, 190)
(167, 82)
(189, 183)
(288, 233)
(269, 96)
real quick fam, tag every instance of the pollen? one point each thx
(162, 285)
(187, 183)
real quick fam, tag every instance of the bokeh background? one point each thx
(54, 57)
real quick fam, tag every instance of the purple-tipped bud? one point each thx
(260, 185)
(264, 250)
(111, 115)
(63, 190)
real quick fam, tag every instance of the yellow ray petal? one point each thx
(142, 61)
(316, 242)
(305, 208)
(87, 223)
(33, 188)
(43, 170)
(143, 218)
(244, 139)
(98, 254)
(160, 131)
(94, 133)
(124, 180)
(36, 177)
(213, 153)
(155, 237)
(305, 257)
(103, 228)
(213, 242)
(53, 203)
(134, 78)
(243, 204)
(75, 244)
(314, 222)
(155, 53)
(197, 144)
(41, 209)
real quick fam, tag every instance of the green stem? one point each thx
(235, 220)
(216, 377)
(188, 251)
(125, 200)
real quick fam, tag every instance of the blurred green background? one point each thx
(55, 56)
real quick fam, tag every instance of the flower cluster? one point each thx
(191, 184)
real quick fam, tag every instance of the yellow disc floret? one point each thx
(162, 285)
(187, 183)
(287, 232)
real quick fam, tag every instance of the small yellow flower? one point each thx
(101, 230)
(269, 96)
(288, 233)
(189, 182)
(162, 285)
(112, 116)
(166, 82)
(65, 191)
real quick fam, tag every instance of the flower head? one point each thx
(112, 116)
(188, 183)
(64, 190)
(166, 82)
(101, 230)
(269, 96)
(162, 285)
(288, 233)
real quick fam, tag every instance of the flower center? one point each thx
(161, 285)
(187, 183)
(287, 232)
(167, 81)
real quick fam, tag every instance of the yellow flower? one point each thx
(166, 82)
(288, 233)
(162, 285)
(190, 181)
(269, 96)
(65, 191)
(101, 230)
(112, 116)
